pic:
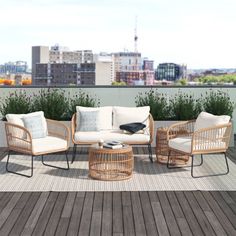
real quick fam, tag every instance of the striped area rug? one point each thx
(146, 176)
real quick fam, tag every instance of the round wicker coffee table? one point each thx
(110, 164)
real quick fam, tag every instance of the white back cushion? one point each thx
(17, 119)
(125, 115)
(206, 120)
(105, 116)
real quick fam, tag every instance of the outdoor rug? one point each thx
(147, 176)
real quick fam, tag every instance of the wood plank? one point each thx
(201, 217)
(96, 222)
(219, 214)
(178, 213)
(76, 216)
(46, 213)
(6, 211)
(148, 214)
(127, 214)
(55, 216)
(25, 213)
(139, 224)
(189, 216)
(5, 230)
(169, 216)
(117, 221)
(107, 214)
(4, 199)
(158, 215)
(32, 221)
(87, 214)
(66, 214)
(209, 214)
(229, 200)
(224, 207)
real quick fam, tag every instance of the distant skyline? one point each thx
(199, 33)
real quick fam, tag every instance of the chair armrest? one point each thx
(151, 127)
(73, 127)
(18, 138)
(182, 128)
(212, 138)
(58, 129)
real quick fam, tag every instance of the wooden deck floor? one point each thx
(118, 213)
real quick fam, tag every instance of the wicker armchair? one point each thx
(184, 139)
(20, 140)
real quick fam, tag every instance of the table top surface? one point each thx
(97, 148)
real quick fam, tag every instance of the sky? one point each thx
(199, 33)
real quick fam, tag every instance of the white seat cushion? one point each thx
(184, 144)
(92, 137)
(48, 144)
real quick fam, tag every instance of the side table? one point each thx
(162, 150)
(110, 164)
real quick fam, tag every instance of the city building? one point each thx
(56, 73)
(40, 54)
(17, 67)
(171, 71)
(105, 69)
(61, 56)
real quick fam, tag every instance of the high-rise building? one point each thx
(40, 54)
(105, 73)
(171, 71)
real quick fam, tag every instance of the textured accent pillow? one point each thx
(105, 115)
(35, 126)
(89, 121)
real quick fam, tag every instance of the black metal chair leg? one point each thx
(168, 160)
(74, 153)
(201, 160)
(227, 165)
(192, 166)
(13, 172)
(150, 152)
(58, 167)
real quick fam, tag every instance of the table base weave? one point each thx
(107, 164)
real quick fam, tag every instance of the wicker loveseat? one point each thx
(111, 118)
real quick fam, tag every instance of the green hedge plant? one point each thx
(218, 103)
(157, 102)
(183, 106)
(15, 103)
(82, 99)
(52, 102)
